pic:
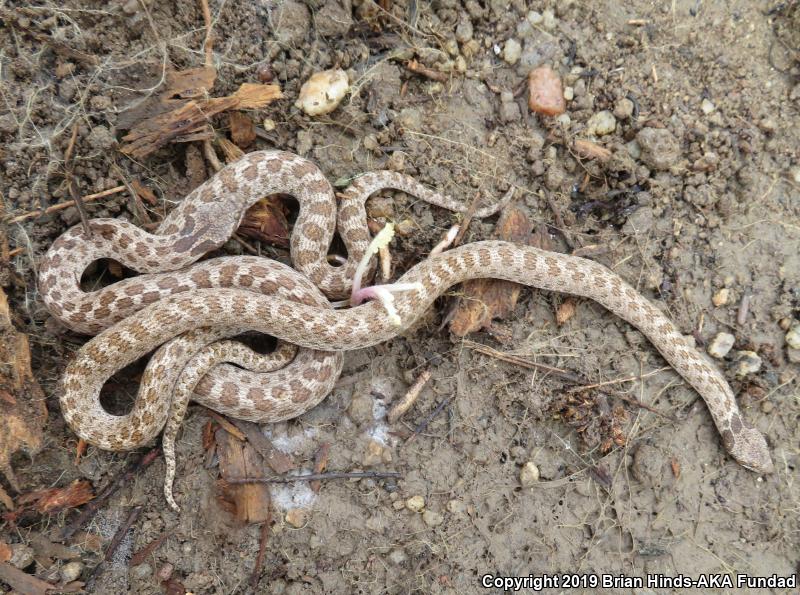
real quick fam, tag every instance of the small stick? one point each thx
(228, 426)
(141, 555)
(262, 549)
(418, 68)
(208, 42)
(562, 227)
(317, 476)
(744, 308)
(466, 221)
(70, 180)
(578, 389)
(67, 204)
(92, 507)
(409, 398)
(121, 532)
(520, 361)
(424, 423)
(15, 252)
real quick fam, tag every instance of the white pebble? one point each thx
(569, 93)
(512, 51)
(721, 345)
(535, 18)
(397, 556)
(601, 123)
(563, 120)
(748, 362)
(71, 571)
(456, 506)
(793, 337)
(432, 519)
(529, 474)
(721, 297)
(707, 106)
(548, 20)
(323, 92)
(415, 503)
(269, 124)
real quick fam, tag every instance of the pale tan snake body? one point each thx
(219, 298)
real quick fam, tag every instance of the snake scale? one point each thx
(187, 311)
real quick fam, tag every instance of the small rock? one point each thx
(415, 503)
(767, 406)
(623, 109)
(398, 505)
(721, 297)
(268, 124)
(323, 92)
(397, 556)
(464, 30)
(747, 362)
(101, 138)
(165, 572)
(795, 173)
(71, 571)
(142, 571)
(601, 123)
(333, 19)
(291, 21)
(563, 120)
(545, 93)
(793, 337)
(432, 518)
(534, 18)
(512, 51)
(529, 474)
(569, 93)
(7, 124)
(510, 112)
(456, 507)
(131, 7)
(296, 517)
(721, 345)
(548, 20)
(707, 106)
(21, 555)
(648, 465)
(410, 118)
(659, 148)
(374, 454)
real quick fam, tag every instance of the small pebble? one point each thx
(529, 474)
(512, 51)
(415, 503)
(535, 18)
(793, 337)
(545, 93)
(569, 93)
(623, 109)
(21, 555)
(456, 506)
(397, 556)
(707, 106)
(323, 92)
(721, 345)
(548, 20)
(464, 30)
(268, 124)
(165, 572)
(297, 517)
(432, 518)
(601, 123)
(721, 297)
(767, 406)
(71, 571)
(747, 362)
(563, 120)
(795, 173)
(398, 505)
(660, 149)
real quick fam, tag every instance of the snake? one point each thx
(186, 311)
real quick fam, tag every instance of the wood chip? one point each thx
(590, 150)
(22, 410)
(52, 500)
(266, 221)
(566, 310)
(243, 130)
(5, 552)
(486, 299)
(250, 502)
(279, 461)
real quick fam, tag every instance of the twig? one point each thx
(92, 507)
(744, 308)
(521, 361)
(141, 555)
(66, 204)
(409, 398)
(466, 221)
(208, 42)
(317, 476)
(122, 531)
(228, 426)
(562, 227)
(262, 549)
(69, 178)
(578, 389)
(418, 68)
(424, 423)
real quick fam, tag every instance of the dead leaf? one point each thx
(486, 299)
(231, 151)
(22, 409)
(266, 221)
(566, 310)
(243, 130)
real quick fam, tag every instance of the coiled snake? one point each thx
(185, 309)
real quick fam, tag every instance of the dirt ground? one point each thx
(624, 489)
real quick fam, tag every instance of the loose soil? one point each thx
(621, 489)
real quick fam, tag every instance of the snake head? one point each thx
(749, 448)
